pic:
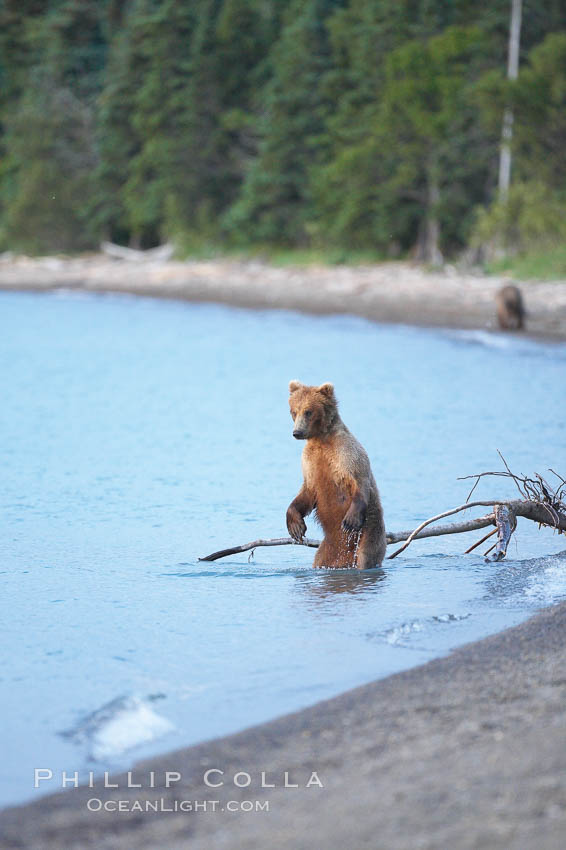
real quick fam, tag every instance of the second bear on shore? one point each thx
(338, 484)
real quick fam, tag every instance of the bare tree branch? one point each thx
(275, 541)
(506, 525)
(439, 530)
(539, 503)
(532, 510)
(528, 509)
(392, 537)
(420, 527)
(536, 490)
(563, 480)
(539, 513)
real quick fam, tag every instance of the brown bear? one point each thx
(510, 308)
(338, 484)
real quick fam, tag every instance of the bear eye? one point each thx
(308, 414)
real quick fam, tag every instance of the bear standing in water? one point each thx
(338, 484)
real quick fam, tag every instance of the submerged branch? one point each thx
(480, 541)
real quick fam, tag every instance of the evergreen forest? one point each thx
(370, 126)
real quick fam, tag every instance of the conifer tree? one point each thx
(48, 142)
(275, 203)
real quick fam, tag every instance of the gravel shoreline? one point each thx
(386, 292)
(467, 751)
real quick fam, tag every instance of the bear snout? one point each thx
(299, 434)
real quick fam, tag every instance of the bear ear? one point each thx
(327, 390)
(294, 386)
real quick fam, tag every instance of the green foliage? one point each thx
(531, 219)
(157, 67)
(46, 175)
(407, 167)
(529, 228)
(51, 55)
(174, 116)
(340, 128)
(535, 265)
(539, 99)
(275, 199)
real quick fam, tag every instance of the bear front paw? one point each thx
(296, 525)
(353, 521)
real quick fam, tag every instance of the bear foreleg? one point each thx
(299, 508)
(356, 513)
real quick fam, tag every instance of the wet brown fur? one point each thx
(338, 484)
(510, 309)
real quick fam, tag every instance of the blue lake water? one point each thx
(139, 434)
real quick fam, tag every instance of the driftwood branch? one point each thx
(540, 503)
(533, 510)
(153, 255)
(439, 530)
(506, 524)
(245, 547)
(420, 527)
(536, 489)
(392, 537)
(529, 510)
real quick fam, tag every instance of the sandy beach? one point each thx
(468, 751)
(387, 292)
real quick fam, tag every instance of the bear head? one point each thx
(314, 410)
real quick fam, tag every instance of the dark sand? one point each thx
(386, 292)
(468, 751)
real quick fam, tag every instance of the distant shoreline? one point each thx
(393, 292)
(466, 751)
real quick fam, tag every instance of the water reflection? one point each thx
(326, 584)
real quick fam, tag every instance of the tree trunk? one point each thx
(428, 242)
(512, 74)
